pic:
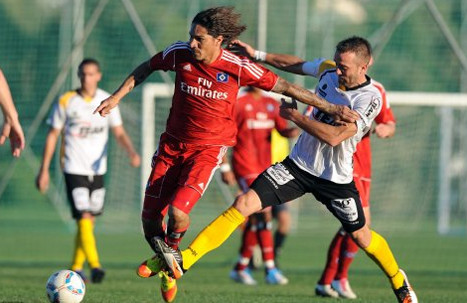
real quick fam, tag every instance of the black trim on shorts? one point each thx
(90, 182)
(285, 181)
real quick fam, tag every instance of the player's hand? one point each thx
(288, 110)
(104, 108)
(42, 181)
(12, 129)
(342, 114)
(242, 48)
(228, 178)
(135, 160)
(385, 130)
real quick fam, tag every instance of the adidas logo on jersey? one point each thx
(187, 67)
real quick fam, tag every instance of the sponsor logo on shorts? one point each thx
(279, 174)
(346, 209)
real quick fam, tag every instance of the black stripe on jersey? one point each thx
(325, 72)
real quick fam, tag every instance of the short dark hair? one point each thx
(221, 20)
(87, 61)
(358, 45)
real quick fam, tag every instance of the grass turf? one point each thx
(35, 243)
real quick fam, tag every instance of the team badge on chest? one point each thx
(222, 77)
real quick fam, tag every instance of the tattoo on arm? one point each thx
(301, 94)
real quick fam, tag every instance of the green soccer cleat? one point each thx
(150, 267)
(168, 287)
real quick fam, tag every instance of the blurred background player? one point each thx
(11, 127)
(256, 116)
(85, 139)
(342, 250)
(200, 126)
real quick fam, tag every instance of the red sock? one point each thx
(249, 241)
(266, 243)
(333, 258)
(174, 237)
(348, 251)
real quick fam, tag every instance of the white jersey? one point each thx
(86, 134)
(321, 159)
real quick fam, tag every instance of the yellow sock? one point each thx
(78, 256)
(379, 251)
(88, 242)
(212, 236)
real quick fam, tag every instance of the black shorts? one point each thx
(85, 194)
(285, 181)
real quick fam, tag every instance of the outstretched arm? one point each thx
(288, 63)
(11, 126)
(136, 77)
(124, 141)
(338, 112)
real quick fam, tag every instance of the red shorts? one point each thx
(363, 186)
(180, 174)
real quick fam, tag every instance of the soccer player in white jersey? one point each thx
(320, 163)
(200, 125)
(85, 139)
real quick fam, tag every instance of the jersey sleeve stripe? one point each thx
(243, 62)
(175, 46)
(250, 67)
(252, 72)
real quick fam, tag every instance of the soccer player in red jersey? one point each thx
(200, 125)
(342, 250)
(256, 117)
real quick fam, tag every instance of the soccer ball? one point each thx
(65, 286)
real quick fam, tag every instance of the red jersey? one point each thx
(205, 94)
(255, 118)
(362, 156)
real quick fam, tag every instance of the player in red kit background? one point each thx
(256, 116)
(342, 250)
(200, 125)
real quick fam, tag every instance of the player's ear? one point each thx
(219, 39)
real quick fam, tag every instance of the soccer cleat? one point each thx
(171, 259)
(82, 275)
(168, 287)
(405, 293)
(150, 267)
(242, 276)
(325, 290)
(97, 275)
(276, 277)
(342, 287)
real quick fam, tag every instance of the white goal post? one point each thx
(445, 101)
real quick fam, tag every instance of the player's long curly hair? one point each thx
(221, 20)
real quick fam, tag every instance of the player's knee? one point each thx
(362, 236)
(247, 203)
(178, 217)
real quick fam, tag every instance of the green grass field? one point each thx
(36, 243)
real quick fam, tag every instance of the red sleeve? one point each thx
(256, 75)
(385, 115)
(166, 60)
